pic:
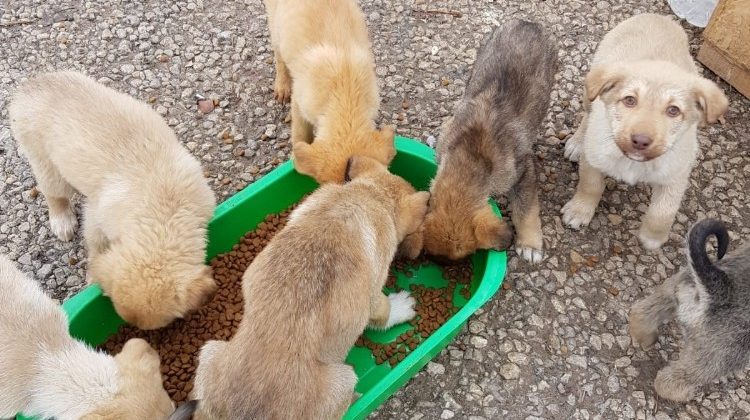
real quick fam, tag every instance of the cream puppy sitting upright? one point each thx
(148, 204)
(324, 63)
(44, 372)
(644, 100)
(308, 296)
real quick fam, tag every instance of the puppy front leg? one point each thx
(581, 208)
(649, 313)
(387, 311)
(524, 204)
(574, 144)
(302, 130)
(657, 222)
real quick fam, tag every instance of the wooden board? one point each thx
(726, 45)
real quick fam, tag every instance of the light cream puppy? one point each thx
(148, 204)
(308, 296)
(45, 372)
(644, 101)
(325, 64)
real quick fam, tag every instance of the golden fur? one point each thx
(148, 204)
(324, 63)
(308, 296)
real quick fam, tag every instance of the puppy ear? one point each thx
(412, 245)
(600, 80)
(305, 159)
(413, 209)
(490, 231)
(385, 139)
(710, 100)
(199, 290)
(357, 166)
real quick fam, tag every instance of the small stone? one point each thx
(614, 219)
(447, 414)
(73, 281)
(622, 362)
(576, 257)
(431, 141)
(613, 291)
(435, 368)
(478, 342)
(577, 360)
(510, 371)
(206, 106)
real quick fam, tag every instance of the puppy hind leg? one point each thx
(658, 220)
(701, 362)
(282, 85)
(580, 209)
(649, 313)
(57, 192)
(339, 393)
(524, 205)
(302, 130)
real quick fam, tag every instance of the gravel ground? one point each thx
(553, 344)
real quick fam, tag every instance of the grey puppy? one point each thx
(712, 305)
(485, 149)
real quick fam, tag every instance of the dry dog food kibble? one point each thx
(179, 343)
(434, 307)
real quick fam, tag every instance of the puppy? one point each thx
(485, 149)
(322, 54)
(148, 204)
(308, 296)
(643, 102)
(46, 373)
(712, 305)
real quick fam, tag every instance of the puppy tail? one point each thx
(714, 279)
(185, 411)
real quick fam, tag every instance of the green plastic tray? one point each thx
(93, 319)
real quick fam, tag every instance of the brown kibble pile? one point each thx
(434, 307)
(179, 343)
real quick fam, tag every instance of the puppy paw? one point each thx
(641, 329)
(577, 214)
(402, 308)
(652, 240)
(282, 90)
(670, 386)
(573, 148)
(529, 254)
(63, 224)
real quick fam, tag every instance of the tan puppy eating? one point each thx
(45, 372)
(324, 63)
(644, 101)
(308, 296)
(148, 204)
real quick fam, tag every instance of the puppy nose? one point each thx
(640, 141)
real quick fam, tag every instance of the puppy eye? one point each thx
(630, 101)
(673, 111)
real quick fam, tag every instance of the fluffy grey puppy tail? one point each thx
(715, 280)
